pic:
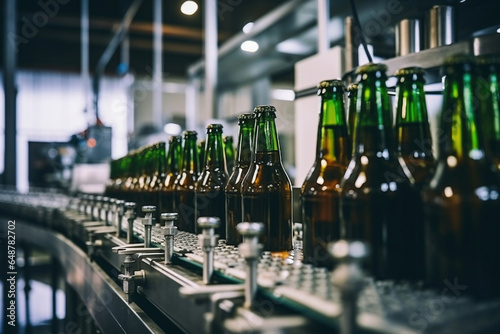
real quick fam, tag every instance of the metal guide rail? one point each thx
(291, 296)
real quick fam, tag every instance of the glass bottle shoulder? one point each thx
(214, 179)
(266, 177)
(235, 179)
(372, 173)
(323, 177)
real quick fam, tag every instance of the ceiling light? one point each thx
(189, 7)
(498, 30)
(173, 129)
(247, 27)
(249, 46)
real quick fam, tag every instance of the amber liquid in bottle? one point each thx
(266, 189)
(210, 196)
(185, 184)
(320, 191)
(233, 187)
(172, 169)
(378, 202)
(462, 202)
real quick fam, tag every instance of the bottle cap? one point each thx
(270, 110)
(214, 128)
(409, 71)
(242, 118)
(190, 134)
(352, 87)
(330, 85)
(371, 67)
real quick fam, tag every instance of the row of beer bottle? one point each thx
(422, 217)
(258, 188)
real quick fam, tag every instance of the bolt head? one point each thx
(208, 222)
(250, 229)
(169, 216)
(129, 205)
(148, 208)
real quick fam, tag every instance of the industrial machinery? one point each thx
(136, 275)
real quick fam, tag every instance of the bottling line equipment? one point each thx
(136, 275)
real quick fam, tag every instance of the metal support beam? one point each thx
(9, 85)
(113, 44)
(157, 64)
(84, 52)
(211, 58)
(323, 20)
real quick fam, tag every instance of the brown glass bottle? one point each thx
(378, 202)
(320, 191)
(233, 186)
(266, 189)
(413, 135)
(185, 184)
(210, 196)
(172, 167)
(462, 201)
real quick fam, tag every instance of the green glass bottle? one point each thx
(462, 201)
(229, 152)
(266, 189)
(489, 103)
(138, 181)
(201, 150)
(113, 176)
(185, 184)
(413, 134)
(352, 97)
(210, 197)
(379, 204)
(320, 191)
(156, 183)
(172, 167)
(233, 186)
(131, 163)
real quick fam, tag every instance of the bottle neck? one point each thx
(214, 155)
(160, 159)
(489, 105)
(266, 136)
(373, 129)
(353, 97)
(332, 141)
(190, 156)
(172, 164)
(244, 154)
(461, 136)
(412, 125)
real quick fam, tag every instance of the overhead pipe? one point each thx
(84, 52)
